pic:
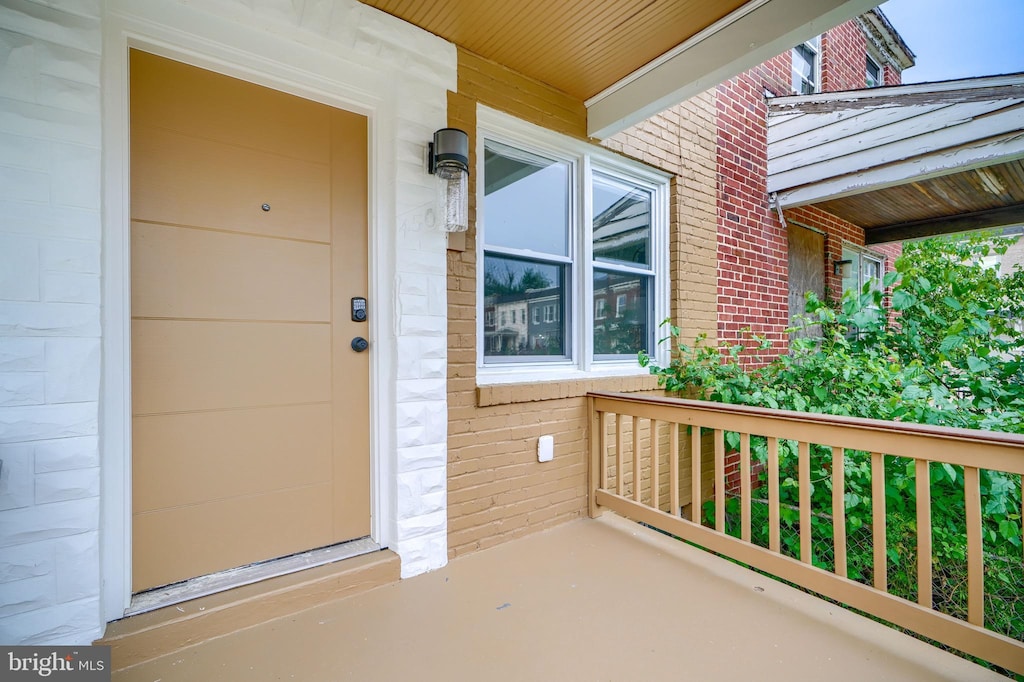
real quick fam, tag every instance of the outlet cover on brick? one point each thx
(545, 448)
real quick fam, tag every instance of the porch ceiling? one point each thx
(626, 58)
(904, 162)
(591, 599)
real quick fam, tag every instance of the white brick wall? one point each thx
(50, 271)
(49, 320)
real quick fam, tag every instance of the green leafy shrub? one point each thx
(947, 351)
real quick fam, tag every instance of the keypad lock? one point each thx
(359, 309)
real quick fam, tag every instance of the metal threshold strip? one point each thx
(205, 585)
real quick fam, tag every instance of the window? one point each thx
(807, 67)
(874, 73)
(564, 229)
(862, 268)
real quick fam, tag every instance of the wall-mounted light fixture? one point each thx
(448, 162)
(842, 268)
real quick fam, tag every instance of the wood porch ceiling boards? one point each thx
(906, 161)
(579, 46)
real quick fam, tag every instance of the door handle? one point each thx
(359, 344)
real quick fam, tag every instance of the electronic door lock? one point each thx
(359, 309)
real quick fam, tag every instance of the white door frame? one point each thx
(169, 30)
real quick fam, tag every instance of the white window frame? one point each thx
(862, 254)
(620, 305)
(583, 159)
(880, 81)
(814, 45)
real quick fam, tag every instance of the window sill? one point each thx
(524, 388)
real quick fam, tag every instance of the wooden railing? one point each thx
(663, 461)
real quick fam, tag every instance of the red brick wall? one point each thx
(753, 272)
(752, 266)
(837, 231)
(893, 76)
(844, 58)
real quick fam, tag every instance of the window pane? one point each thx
(526, 200)
(622, 222)
(873, 273)
(623, 325)
(874, 73)
(524, 308)
(805, 78)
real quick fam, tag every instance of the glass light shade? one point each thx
(452, 186)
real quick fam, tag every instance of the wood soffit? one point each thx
(988, 197)
(907, 161)
(579, 47)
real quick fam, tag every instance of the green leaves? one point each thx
(902, 299)
(947, 353)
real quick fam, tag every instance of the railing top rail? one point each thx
(860, 423)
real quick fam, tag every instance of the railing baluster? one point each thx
(696, 494)
(839, 508)
(619, 478)
(637, 478)
(804, 476)
(878, 520)
(604, 450)
(922, 444)
(596, 456)
(745, 486)
(673, 468)
(719, 480)
(655, 464)
(975, 559)
(924, 533)
(774, 543)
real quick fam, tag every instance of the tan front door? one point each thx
(250, 429)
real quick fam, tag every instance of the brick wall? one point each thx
(753, 277)
(752, 246)
(681, 141)
(892, 75)
(49, 321)
(837, 232)
(496, 488)
(844, 57)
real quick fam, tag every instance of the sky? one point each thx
(959, 38)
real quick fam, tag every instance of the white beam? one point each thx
(742, 40)
(1006, 149)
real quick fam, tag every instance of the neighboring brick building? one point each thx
(764, 265)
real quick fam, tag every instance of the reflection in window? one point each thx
(526, 200)
(622, 222)
(628, 330)
(512, 284)
(623, 271)
(570, 253)
(805, 68)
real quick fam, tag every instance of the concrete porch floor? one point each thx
(598, 599)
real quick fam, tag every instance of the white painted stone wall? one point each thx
(50, 243)
(49, 320)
